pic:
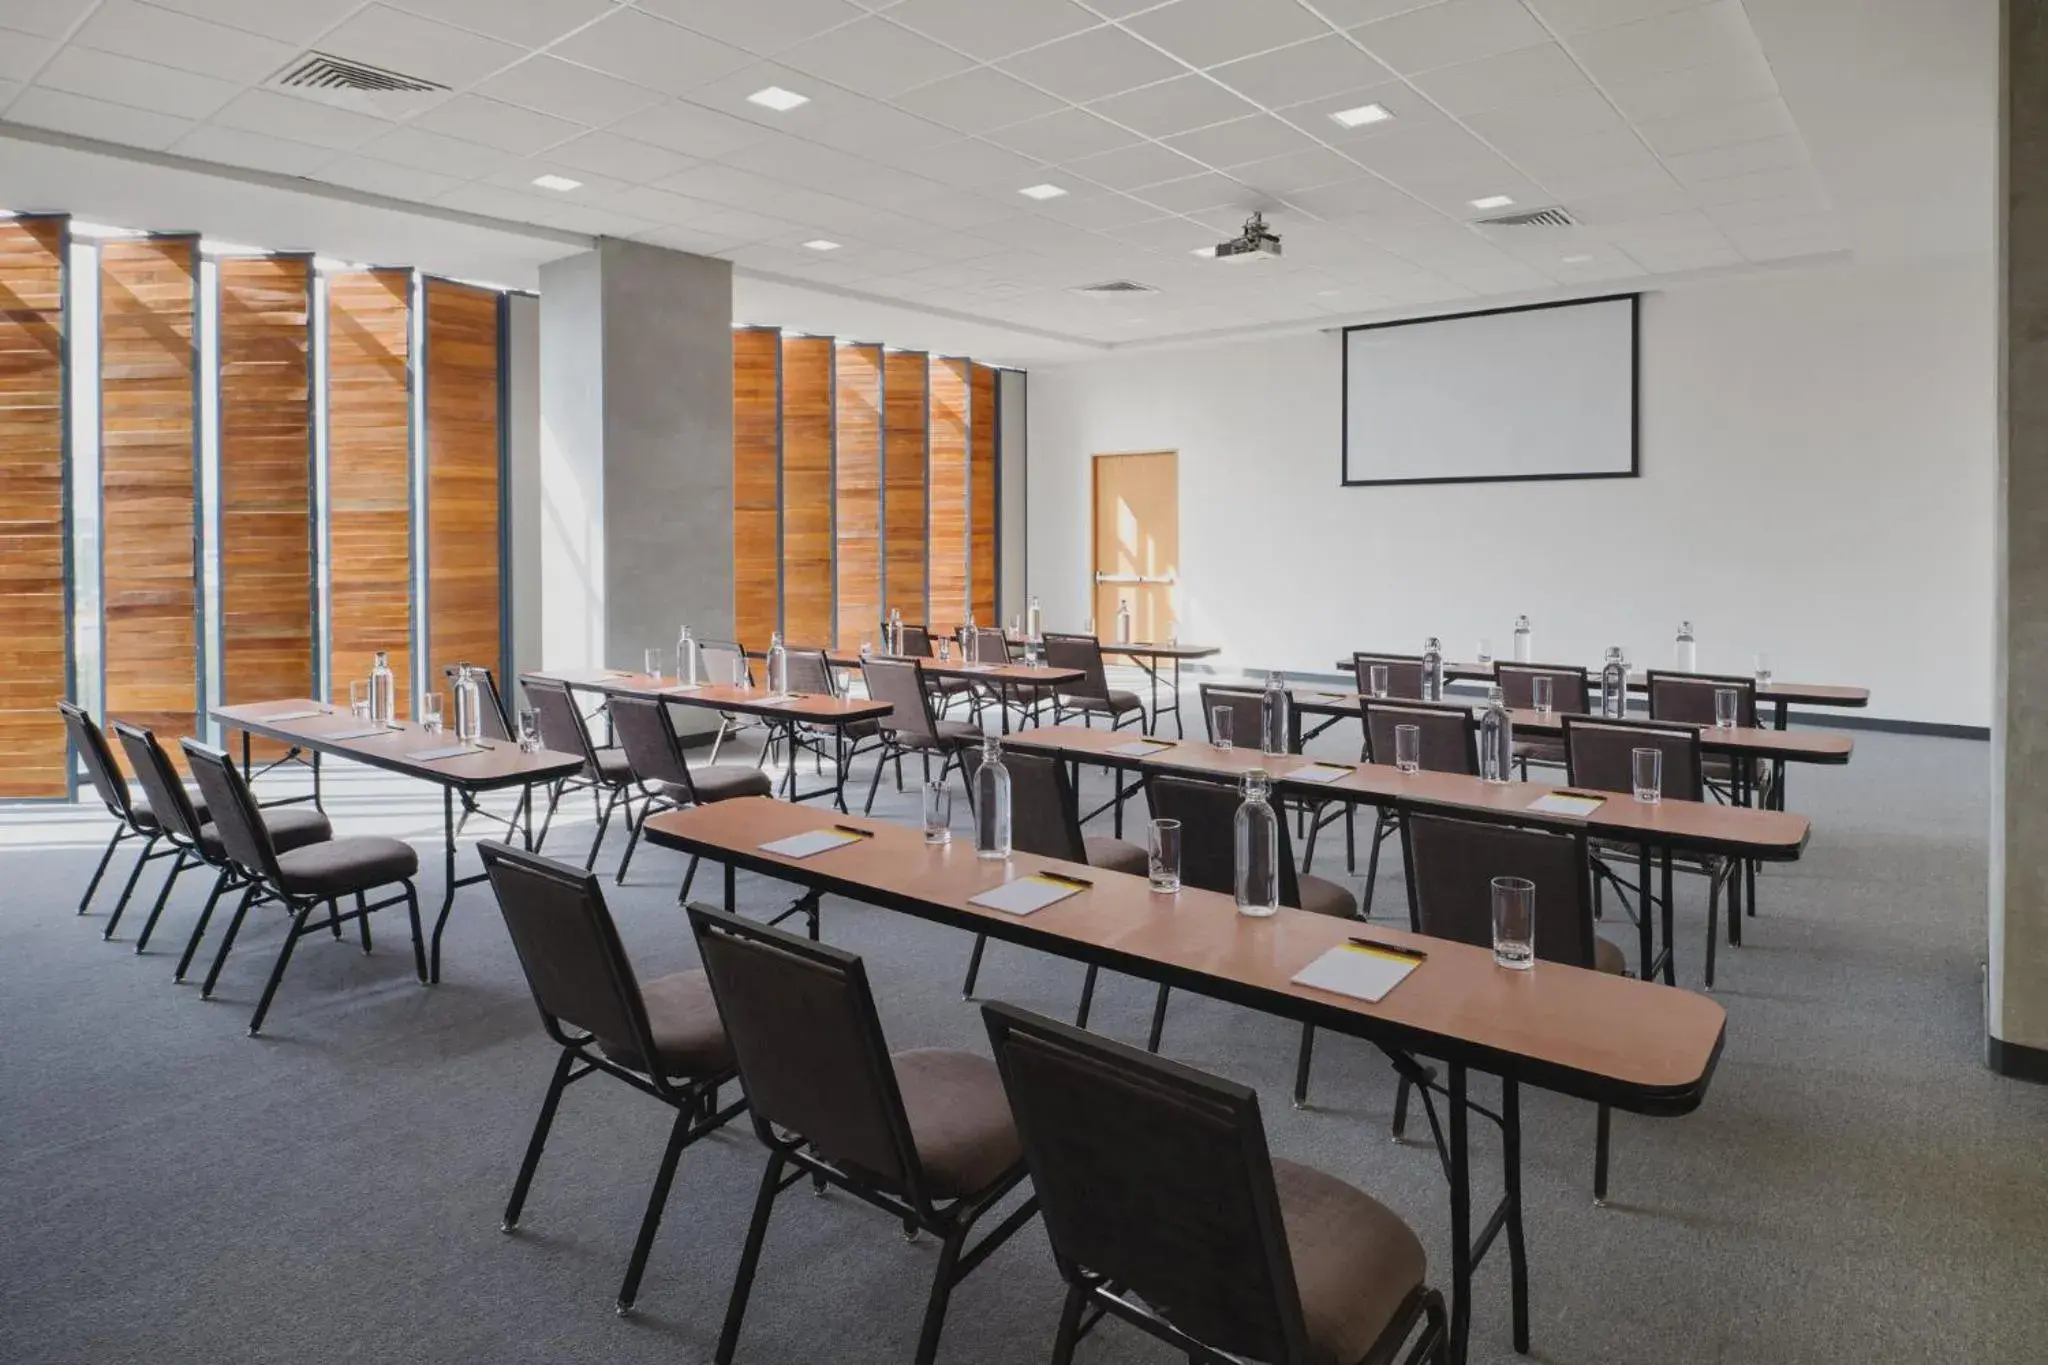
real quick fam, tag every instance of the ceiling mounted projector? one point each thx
(1255, 243)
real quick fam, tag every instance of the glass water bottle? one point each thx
(1614, 685)
(383, 690)
(778, 666)
(688, 668)
(1525, 645)
(1687, 649)
(896, 632)
(992, 802)
(1034, 621)
(1432, 669)
(1496, 738)
(1273, 704)
(469, 706)
(1257, 849)
(1123, 620)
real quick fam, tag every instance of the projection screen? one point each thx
(1547, 392)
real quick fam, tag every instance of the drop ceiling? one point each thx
(1665, 127)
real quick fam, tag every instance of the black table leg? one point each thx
(1180, 729)
(448, 895)
(1647, 962)
(245, 755)
(732, 900)
(1511, 1180)
(318, 804)
(1782, 718)
(1670, 940)
(1461, 1218)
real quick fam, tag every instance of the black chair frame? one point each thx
(112, 788)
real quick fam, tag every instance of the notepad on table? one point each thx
(1026, 894)
(1140, 748)
(451, 751)
(303, 713)
(1576, 804)
(812, 841)
(360, 732)
(1318, 772)
(1359, 970)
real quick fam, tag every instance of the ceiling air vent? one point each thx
(1553, 217)
(357, 85)
(1109, 287)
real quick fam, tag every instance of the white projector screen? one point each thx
(1547, 392)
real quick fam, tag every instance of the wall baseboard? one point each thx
(2016, 1060)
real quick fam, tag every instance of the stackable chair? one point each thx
(1449, 743)
(1404, 674)
(605, 774)
(1688, 699)
(911, 727)
(664, 777)
(1246, 707)
(663, 1038)
(133, 818)
(495, 722)
(917, 644)
(1568, 697)
(1092, 696)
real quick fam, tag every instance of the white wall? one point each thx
(1817, 457)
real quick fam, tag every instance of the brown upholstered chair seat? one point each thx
(1355, 1262)
(612, 765)
(289, 829)
(1721, 768)
(682, 1018)
(1539, 751)
(145, 818)
(722, 783)
(1115, 704)
(1116, 855)
(959, 1119)
(337, 867)
(1320, 896)
(951, 733)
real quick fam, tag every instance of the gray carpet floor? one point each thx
(1856, 1187)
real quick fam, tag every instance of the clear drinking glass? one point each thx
(1485, 651)
(430, 712)
(1514, 923)
(945, 649)
(654, 658)
(1727, 706)
(1763, 670)
(1376, 679)
(1088, 626)
(740, 677)
(938, 813)
(1408, 748)
(1541, 693)
(1162, 855)
(359, 699)
(1648, 768)
(529, 732)
(1219, 726)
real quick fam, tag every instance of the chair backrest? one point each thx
(721, 661)
(900, 682)
(1518, 685)
(91, 743)
(1247, 714)
(1598, 754)
(811, 672)
(233, 811)
(809, 1047)
(1083, 652)
(647, 734)
(1404, 674)
(160, 782)
(581, 979)
(1207, 812)
(1044, 816)
(495, 722)
(1689, 697)
(991, 646)
(1450, 733)
(562, 727)
(1452, 866)
(917, 642)
(1155, 1177)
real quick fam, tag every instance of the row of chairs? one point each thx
(1162, 1204)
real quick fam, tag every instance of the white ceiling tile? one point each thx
(1128, 168)
(141, 85)
(422, 150)
(1409, 109)
(1672, 94)
(971, 164)
(288, 21)
(529, 23)
(1206, 32)
(591, 187)
(1199, 192)
(1305, 71)
(1563, 117)
(1634, 177)
(63, 113)
(1362, 195)
(622, 158)
(504, 126)
(1733, 189)
(1671, 259)
(233, 147)
(1224, 145)
(1303, 170)
(301, 120)
(679, 126)
(595, 221)
(1614, 208)
(743, 225)
(989, 31)
(568, 91)
(1454, 31)
(1703, 35)
(44, 18)
(1688, 227)
(977, 100)
(1423, 149)
(1804, 203)
(1033, 231)
(386, 178)
(171, 39)
(21, 54)
(1766, 154)
(875, 57)
(761, 26)
(398, 41)
(858, 125)
(1720, 126)
(652, 52)
(8, 90)
(1578, 16)
(1547, 155)
(1172, 234)
(659, 205)
(1092, 64)
(1175, 106)
(1508, 78)
(493, 202)
(1352, 13)
(1063, 136)
(959, 211)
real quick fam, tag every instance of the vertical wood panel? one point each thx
(149, 497)
(807, 491)
(906, 382)
(757, 458)
(981, 493)
(266, 479)
(950, 603)
(857, 444)
(463, 493)
(35, 655)
(369, 483)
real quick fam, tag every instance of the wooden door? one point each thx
(1137, 541)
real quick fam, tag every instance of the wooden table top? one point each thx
(812, 707)
(1014, 674)
(1806, 694)
(1143, 649)
(501, 764)
(1637, 1045)
(1776, 836)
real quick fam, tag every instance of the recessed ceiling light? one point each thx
(1492, 201)
(557, 182)
(1041, 191)
(820, 244)
(1362, 115)
(778, 99)
(1579, 259)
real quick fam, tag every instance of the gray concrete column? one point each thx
(2018, 988)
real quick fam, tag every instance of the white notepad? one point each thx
(1566, 803)
(1141, 748)
(1358, 970)
(1026, 894)
(811, 841)
(452, 751)
(1318, 772)
(360, 732)
(303, 713)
